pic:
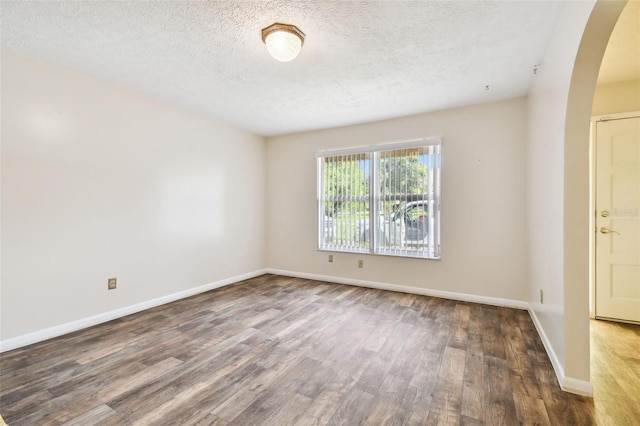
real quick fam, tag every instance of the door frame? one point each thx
(592, 200)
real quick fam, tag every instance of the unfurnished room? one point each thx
(320, 212)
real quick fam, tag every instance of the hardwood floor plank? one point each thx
(49, 410)
(493, 344)
(280, 350)
(385, 407)
(470, 421)
(268, 405)
(293, 408)
(476, 319)
(91, 417)
(499, 404)
(382, 361)
(239, 401)
(405, 364)
(530, 410)
(521, 370)
(458, 334)
(211, 384)
(472, 387)
(325, 404)
(379, 336)
(131, 405)
(204, 403)
(106, 393)
(417, 400)
(28, 403)
(447, 399)
(315, 383)
(353, 408)
(345, 375)
(158, 414)
(210, 421)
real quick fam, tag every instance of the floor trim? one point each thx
(579, 387)
(485, 300)
(58, 330)
(567, 384)
(555, 362)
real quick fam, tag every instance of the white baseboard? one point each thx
(485, 300)
(58, 330)
(580, 387)
(555, 362)
(568, 384)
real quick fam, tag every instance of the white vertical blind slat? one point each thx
(436, 195)
(354, 193)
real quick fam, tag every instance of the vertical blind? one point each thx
(382, 200)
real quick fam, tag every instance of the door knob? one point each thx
(604, 230)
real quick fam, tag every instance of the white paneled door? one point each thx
(618, 219)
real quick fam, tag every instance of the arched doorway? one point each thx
(558, 198)
(577, 210)
(614, 288)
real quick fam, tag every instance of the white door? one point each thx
(618, 219)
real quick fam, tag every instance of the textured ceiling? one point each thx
(361, 61)
(621, 60)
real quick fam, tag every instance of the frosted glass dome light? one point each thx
(283, 41)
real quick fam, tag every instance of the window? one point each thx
(381, 200)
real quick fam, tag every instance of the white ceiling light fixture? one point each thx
(283, 41)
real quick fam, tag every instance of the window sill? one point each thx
(410, 254)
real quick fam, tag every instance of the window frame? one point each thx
(373, 154)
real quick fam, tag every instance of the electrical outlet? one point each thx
(111, 284)
(330, 258)
(360, 263)
(541, 296)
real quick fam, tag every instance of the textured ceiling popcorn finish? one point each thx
(361, 60)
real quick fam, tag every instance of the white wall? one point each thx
(558, 184)
(545, 178)
(101, 182)
(483, 211)
(621, 96)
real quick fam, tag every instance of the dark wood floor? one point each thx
(278, 351)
